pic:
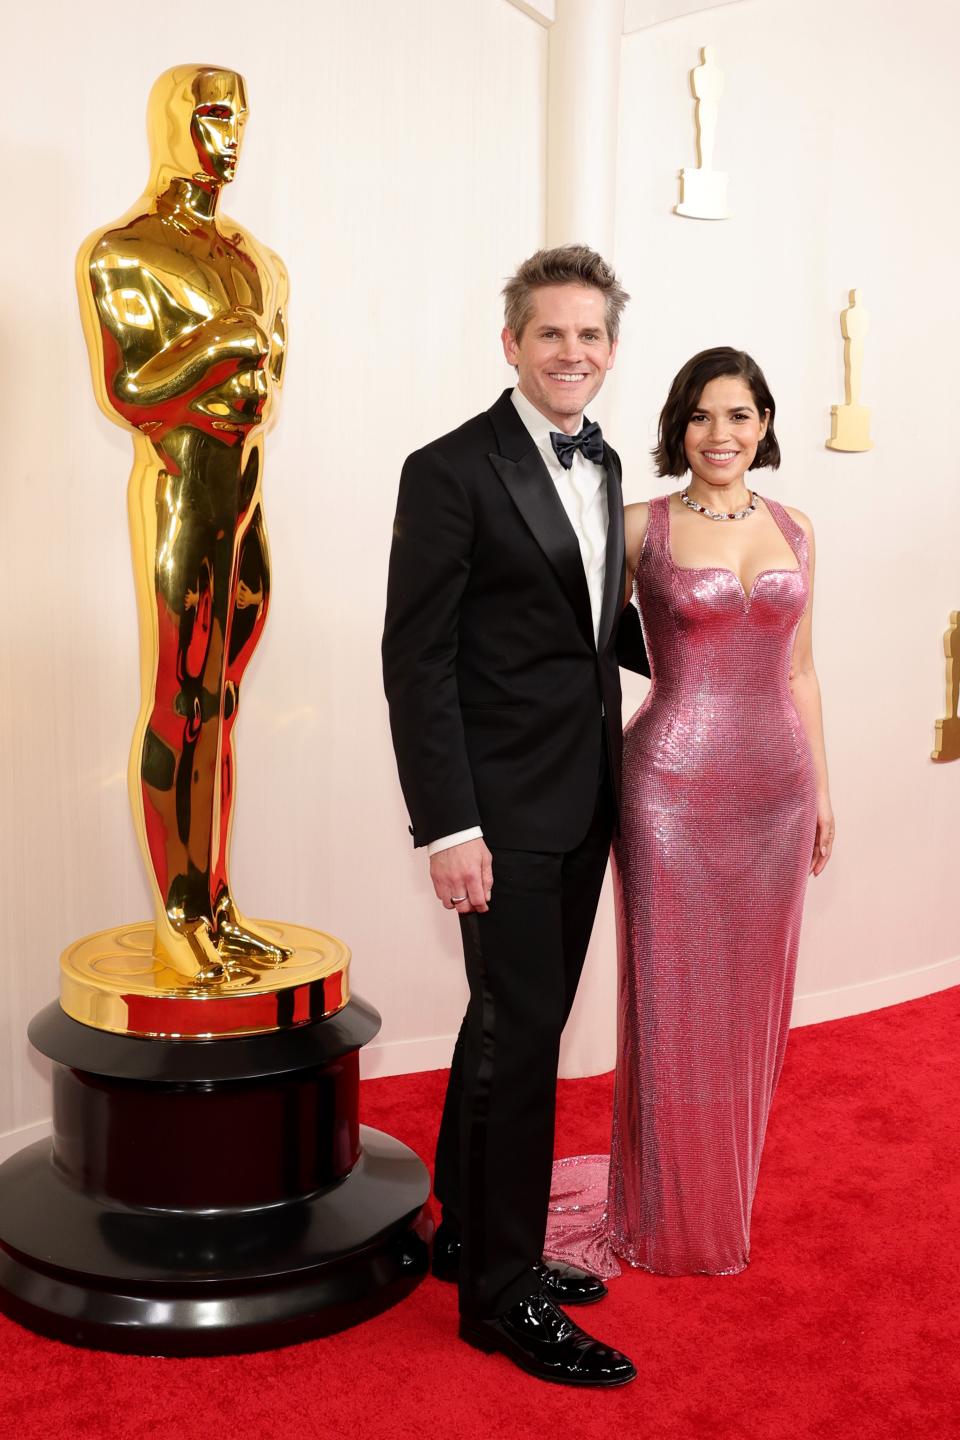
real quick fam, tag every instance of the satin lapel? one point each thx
(616, 560)
(531, 489)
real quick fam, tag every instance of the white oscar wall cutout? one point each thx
(947, 743)
(703, 191)
(850, 428)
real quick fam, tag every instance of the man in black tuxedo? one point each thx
(500, 656)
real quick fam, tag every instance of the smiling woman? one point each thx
(726, 812)
(688, 406)
(717, 424)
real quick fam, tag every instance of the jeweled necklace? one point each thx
(722, 514)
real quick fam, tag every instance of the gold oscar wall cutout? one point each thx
(947, 742)
(850, 423)
(703, 191)
(184, 317)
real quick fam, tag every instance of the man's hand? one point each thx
(463, 877)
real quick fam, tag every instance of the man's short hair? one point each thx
(563, 265)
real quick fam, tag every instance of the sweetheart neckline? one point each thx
(725, 569)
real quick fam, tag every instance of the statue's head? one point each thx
(195, 120)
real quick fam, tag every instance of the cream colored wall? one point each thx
(395, 158)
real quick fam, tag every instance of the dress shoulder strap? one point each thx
(658, 527)
(795, 534)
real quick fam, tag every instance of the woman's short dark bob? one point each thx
(684, 397)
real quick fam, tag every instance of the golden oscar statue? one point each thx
(211, 1188)
(184, 317)
(183, 312)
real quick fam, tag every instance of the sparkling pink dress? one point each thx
(717, 828)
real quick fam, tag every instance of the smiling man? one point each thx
(500, 665)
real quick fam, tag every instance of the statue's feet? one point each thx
(236, 938)
(212, 969)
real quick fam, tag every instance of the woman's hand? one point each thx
(823, 841)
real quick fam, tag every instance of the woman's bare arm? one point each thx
(806, 696)
(635, 520)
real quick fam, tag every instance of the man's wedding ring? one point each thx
(456, 899)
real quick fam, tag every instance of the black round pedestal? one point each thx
(207, 1197)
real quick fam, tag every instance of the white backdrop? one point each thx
(395, 157)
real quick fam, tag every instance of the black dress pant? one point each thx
(495, 1150)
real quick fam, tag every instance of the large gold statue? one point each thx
(183, 312)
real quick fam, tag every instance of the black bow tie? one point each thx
(589, 440)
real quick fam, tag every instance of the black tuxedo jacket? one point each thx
(496, 687)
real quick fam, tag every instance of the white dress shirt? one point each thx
(583, 493)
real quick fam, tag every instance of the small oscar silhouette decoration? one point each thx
(947, 743)
(850, 427)
(703, 191)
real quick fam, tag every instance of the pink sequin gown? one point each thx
(717, 829)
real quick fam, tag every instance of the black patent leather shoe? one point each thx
(540, 1339)
(568, 1284)
(564, 1284)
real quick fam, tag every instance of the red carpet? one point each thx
(845, 1324)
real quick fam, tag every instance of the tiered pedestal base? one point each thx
(208, 1197)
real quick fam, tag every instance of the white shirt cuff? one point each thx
(446, 842)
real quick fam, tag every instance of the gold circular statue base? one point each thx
(114, 980)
